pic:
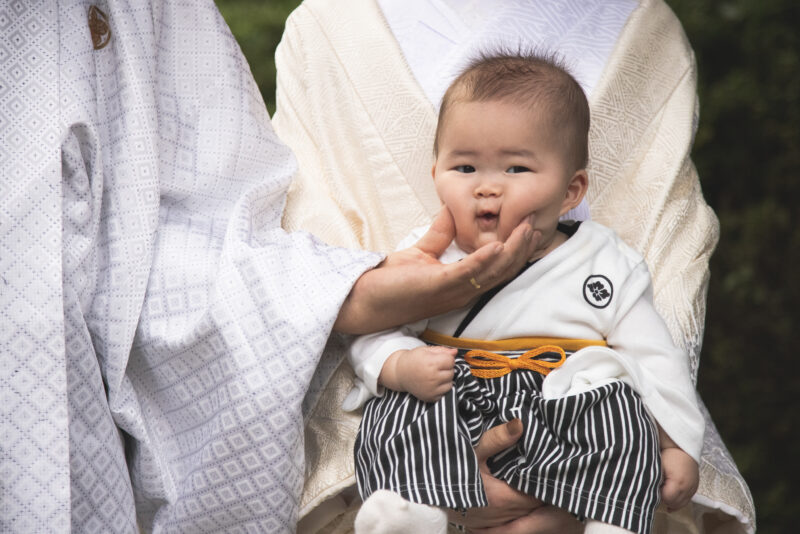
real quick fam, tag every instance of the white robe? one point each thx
(158, 330)
(549, 300)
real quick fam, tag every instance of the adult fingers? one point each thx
(523, 239)
(505, 502)
(496, 262)
(506, 505)
(498, 439)
(542, 520)
(517, 249)
(440, 234)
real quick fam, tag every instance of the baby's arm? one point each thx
(681, 474)
(425, 372)
(400, 361)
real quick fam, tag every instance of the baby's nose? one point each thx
(488, 188)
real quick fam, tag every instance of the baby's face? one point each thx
(497, 166)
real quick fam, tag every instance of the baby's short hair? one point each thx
(538, 81)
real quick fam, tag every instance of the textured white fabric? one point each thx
(362, 127)
(438, 38)
(548, 300)
(158, 330)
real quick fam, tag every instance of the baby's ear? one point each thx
(433, 170)
(576, 190)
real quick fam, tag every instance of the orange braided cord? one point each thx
(485, 364)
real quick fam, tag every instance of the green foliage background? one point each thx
(747, 152)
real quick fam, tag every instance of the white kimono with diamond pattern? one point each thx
(158, 330)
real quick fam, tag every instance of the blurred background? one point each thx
(747, 153)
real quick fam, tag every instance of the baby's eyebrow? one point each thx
(459, 153)
(519, 152)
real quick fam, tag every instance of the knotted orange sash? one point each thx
(485, 364)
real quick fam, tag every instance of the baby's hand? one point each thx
(681, 477)
(425, 372)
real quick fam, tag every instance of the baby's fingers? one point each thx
(444, 358)
(439, 391)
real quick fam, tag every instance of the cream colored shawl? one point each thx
(362, 131)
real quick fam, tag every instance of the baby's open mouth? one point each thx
(487, 219)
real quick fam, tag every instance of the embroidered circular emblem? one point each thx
(99, 28)
(598, 290)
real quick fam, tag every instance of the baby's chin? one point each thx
(471, 245)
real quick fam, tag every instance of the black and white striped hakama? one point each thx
(594, 454)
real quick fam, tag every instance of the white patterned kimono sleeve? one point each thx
(158, 330)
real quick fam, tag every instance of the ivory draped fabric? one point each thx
(362, 127)
(158, 329)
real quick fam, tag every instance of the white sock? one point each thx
(598, 527)
(386, 512)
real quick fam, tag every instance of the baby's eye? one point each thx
(514, 169)
(464, 168)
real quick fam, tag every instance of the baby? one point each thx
(572, 346)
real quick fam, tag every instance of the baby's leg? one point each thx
(598, 527)
(386, 512)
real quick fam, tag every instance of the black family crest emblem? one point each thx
(99, 28)
(598, 291)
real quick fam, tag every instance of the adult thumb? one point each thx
(498, 439)
(439, 235)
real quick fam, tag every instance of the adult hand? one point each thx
(412, 284)
(544, 520)
(511, 511)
